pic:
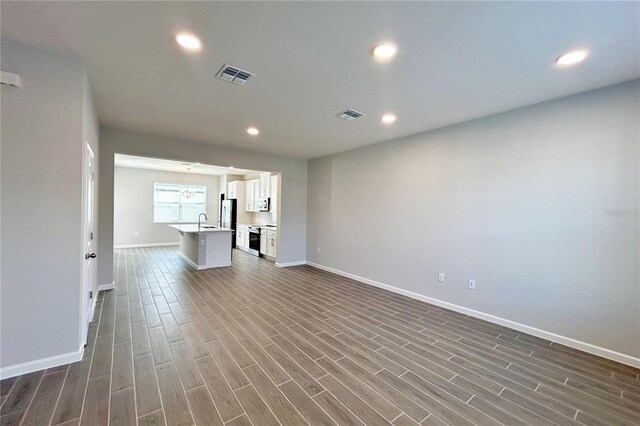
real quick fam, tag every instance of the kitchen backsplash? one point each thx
(263, 218)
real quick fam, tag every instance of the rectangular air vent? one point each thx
(350, 114)
(234, 75)
(10, 79)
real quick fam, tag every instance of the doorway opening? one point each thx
(157, 202)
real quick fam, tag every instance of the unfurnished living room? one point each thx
(323, 213)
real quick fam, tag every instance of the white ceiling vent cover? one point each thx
(10, 79)
(234, 75)
(350, 114)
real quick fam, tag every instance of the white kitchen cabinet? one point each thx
(232, 190)
(273, 187)
(242, 239)
(235, 190)
(240, 233)
(263, 242)
(265, 183)
(272, 244)
(251, 195)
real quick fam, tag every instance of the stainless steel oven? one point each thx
(254, 240)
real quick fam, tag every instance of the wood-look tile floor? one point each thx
(254, 344)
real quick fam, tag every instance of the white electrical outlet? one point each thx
(318, 249)
(440, 277)
(135, 234)
(472, 284)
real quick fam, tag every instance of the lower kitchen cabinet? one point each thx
(242, 237)
(268, 243)
(271, 244)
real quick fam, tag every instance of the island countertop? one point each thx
(193, 229)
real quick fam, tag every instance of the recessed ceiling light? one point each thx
(196, 163)
(388, 118)
(385, 51)
(572, 58)
(231, 167)
(189, 41)
(253, 131)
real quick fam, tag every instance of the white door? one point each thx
(88, 240)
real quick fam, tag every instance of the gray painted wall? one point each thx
(133, 204)
(292, 219)
(42, 131)
(521, 202)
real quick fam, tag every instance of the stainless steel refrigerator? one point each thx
(228, 212)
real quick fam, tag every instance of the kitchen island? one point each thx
(205, 246)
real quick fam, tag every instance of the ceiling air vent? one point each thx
(234, 75)
(350, 114)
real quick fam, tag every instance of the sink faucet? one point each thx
(199, 216)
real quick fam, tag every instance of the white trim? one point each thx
(286, 265)
(104, 287)
(93, 305)
(41, 364)
(122, 246)
(567, 341)
(191, 262)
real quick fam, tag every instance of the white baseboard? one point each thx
(191, 262)
(41, 364)
(287, 264)
(109, 286)
(567, 341)
(121, 246)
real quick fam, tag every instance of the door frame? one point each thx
(88, 281)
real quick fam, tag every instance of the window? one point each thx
(178, 203)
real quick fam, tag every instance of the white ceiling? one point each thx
(456, 61)
(122, 160)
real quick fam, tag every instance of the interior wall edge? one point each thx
(543, 334)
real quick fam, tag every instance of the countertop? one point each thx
(193, 229)
(259, 226)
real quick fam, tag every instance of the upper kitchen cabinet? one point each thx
(252, 189)
(265, 184)
(235, 190)
(273, 183)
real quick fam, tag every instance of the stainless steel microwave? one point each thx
(263, 204)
